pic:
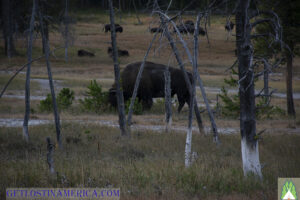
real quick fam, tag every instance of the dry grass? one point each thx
(149, 165)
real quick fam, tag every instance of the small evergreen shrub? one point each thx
(137, 107)
(96, 99)
(46, 104)
(64, 100)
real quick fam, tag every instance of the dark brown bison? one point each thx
(152, 84)
(189, 22)
(83, 52)
(120, 52)
(188, 28)
(156, 29)
(118, 27)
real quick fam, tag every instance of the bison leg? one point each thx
(181, 103)
(147, 103)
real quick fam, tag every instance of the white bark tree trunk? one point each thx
(250, 157)
(249, 143)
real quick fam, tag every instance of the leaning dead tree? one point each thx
(119, 92)
(22, 68)
(165, 20)
(181, 65)
(27, 83)
(36, 10)
(47, 55)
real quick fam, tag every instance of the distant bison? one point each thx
(120, 52)
(188, 28)
(189, 22)
(156, 29)
(152, 84)
(82, 53)
(118, 27)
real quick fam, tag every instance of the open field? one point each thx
(151, 164)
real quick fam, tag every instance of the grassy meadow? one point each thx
(149, 165)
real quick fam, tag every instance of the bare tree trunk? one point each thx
(120, 98)
(266, 82)
(8, 24)
(50, 149)
(56, 115)
(27, 84)
(211, 116)
(186, 78)
(136, 13)
(43, 8)
(20, 69)
(289, 86)
(137, 83)
(249, 145)
(66, 20)
(168, 99)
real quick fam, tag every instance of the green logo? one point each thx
(288, 191)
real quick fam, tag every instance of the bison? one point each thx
(83, 52)
(156, 29)
(118, 28)
(188, 28)
(120, 52)
(152, 84)
(189, 22)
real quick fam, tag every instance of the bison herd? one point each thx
(152, 84)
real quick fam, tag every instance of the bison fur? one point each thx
(152, 84)
(82, 53)
(118, 28)
(120, 52)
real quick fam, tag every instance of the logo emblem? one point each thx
(289, 191)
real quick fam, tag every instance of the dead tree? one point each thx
(137, 83)
(213, 124)
(168, 99)
(21, 68)
(50, 152)
(246, 68)
(47, 53)
(188, 144)
(266, 81)
(8, 24)
(289, 85)
(249, 144)
(186, 78)
(120, 98)
(66, 33)
(136, 13)
(27, 84)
